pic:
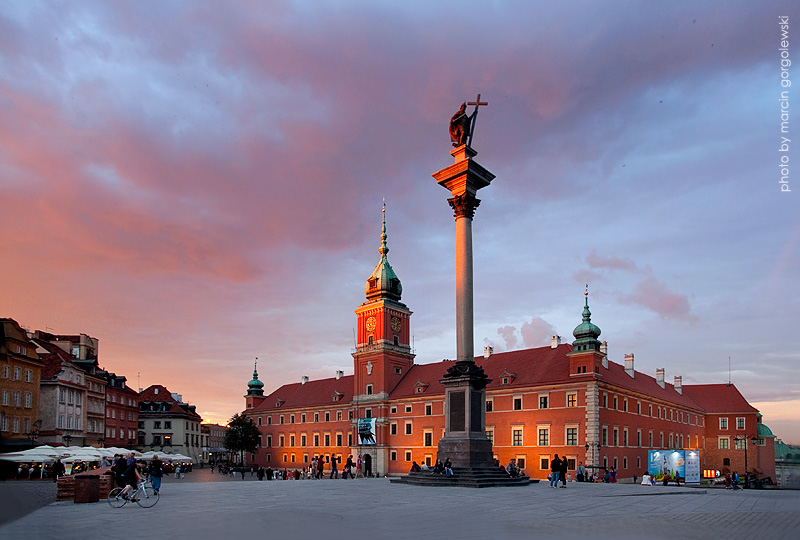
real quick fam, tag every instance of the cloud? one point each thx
(649, 292)
(655, 296)
(509, 335)
(595, 260)
(537, 332)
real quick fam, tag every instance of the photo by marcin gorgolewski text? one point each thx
(786, 83)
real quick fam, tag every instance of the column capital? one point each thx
(464, 205)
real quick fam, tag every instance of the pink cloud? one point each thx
(655, 296)
(595, 260)
(537, 332)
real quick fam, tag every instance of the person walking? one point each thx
(320, 467)
(118, 468)
(562, 472)
(334, 468)
(348, 468)
(358, 467)
(580, 477)
(57, 469)
(555, 468)
(156, 472)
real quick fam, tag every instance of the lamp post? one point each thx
(754, 440)
(67, 439)
(592, 446)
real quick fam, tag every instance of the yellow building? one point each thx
(20, 373)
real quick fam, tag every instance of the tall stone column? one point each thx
(465, 441)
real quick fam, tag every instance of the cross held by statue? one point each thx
(477, 103)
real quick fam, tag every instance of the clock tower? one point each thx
(383, 352)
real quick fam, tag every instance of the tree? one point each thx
(242, 436)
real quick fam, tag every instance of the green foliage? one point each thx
(242, 435)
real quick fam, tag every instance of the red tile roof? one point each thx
(54, 360)
(165, 396)
(530, 367)
(719, 398)
(311, 394)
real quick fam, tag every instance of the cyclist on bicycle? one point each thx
(132, 476)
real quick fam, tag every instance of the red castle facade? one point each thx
(566, 399)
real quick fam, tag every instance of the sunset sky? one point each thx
(197, 184)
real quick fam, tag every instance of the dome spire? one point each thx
(384, 248)
(586, 333)
(255, 387)
(383, 282)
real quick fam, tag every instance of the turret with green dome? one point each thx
(586, 333)
(255, 387)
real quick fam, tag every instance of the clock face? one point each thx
(396, 324)
(370, 324)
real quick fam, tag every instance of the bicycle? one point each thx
(143, 495)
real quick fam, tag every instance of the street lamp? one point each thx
(593, 445)
(67, 439)
(754, 440)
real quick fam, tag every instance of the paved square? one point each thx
(376, 509)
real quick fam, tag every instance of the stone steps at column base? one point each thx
(475, 477)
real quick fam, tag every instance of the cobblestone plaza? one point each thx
(206, 505)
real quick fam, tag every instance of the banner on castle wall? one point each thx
(366, 431)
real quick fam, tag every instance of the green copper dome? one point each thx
(586, 333)
(255, 387)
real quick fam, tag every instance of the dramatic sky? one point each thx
(197, 184)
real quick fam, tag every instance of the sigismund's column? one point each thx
(465, 441)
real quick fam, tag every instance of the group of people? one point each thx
(128, 472)
(732, 481)
(445, 468)
(558, 472)
(513, 470)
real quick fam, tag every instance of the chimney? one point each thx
(629, 364)
(604, 352)
(339, 374)
(679, 384)
(660, 377)
(555, 341)
(487, 351)
(304, 379)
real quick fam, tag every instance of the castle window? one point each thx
(723, 423)
(393, 410)
(489, 405)
(428, 409)
(398, 371)
(396, 340)
(369, 389)
(505, 380)
(572, 400)
(516, 437)
(543, 402)
(517, 403)
(369, 340)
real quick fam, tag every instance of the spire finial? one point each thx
(384, 248)
(255, 369)
(586, 294)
